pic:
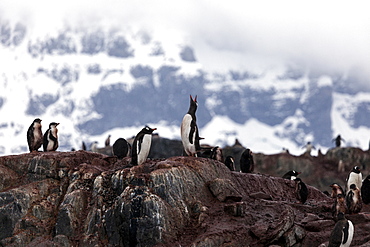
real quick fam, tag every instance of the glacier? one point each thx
(97, 82)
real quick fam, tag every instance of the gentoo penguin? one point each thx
(365, 190)
(107, 141)
(141, 146)
(229, 162)
(342, 234)
(339, 205)
(34, 135)
(121, 148)
(189, 129)
(50, 142)
(291, 175)
(309, 148)
(216, 154)
(354, 177)
(353, 200)
(301, 190)
(337, 141)
(246, 161)
(336, 189)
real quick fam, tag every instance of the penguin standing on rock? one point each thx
(291, 175)
(229, 162)
(354, 177)
(353, 200)
(342, 234)
(34, 135)
(141, 146)
(121, 148)
(50, 142)
(338, 141)
(301, 190)
(189, 130)
(336, 189)
(339, 205)
(216, 154)
(246, 161)
(365, 190)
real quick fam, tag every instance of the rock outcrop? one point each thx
(89, 199)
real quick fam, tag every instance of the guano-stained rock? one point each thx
(88, 199)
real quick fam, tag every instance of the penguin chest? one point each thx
(52, 145)
(188, 134)
(356, 179)
(143, 149)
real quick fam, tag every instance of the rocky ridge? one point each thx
(88, 199)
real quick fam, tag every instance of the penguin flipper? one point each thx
(52, 137)
(345, 231)
(45, 142)
(193, 129)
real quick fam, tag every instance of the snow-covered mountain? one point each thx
(100, 81)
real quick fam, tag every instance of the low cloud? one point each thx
(327, 36)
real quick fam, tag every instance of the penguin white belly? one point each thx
(356, 179)
(145, 148)
(50, 145)
(350, 235)
(185, 132)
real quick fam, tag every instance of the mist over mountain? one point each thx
(100, 81)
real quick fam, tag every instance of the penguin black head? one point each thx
(193, 100)
(294, 173)
(53, 124)
(356, 169)
(298, 180)
(193, 105)
(352, 187)
(147, 130)
(340, 216)
(37, 120)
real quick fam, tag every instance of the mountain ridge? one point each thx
(100, 81)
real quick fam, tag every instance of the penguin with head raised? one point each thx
(141, 146)
(50, 142)
(121, 148)
(353, 200)
(246, 161)
(189, 130)
(301, 190)
(229, 162)
(342, 234)
(291, 175)
(339, 205)
(365, 190)
(354, 177)
(34, 135)
(336, 189)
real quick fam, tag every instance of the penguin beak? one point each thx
(57, 124)
(154, 129)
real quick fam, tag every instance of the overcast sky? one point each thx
(333, 36)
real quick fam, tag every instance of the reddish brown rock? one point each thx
(88, 199)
